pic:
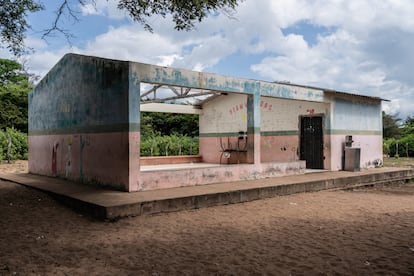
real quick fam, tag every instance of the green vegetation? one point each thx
(14, 90)
(160, 124)
(13, 145)
(183, 13)
(169, 145)
(165, 134)
(398, 137)
(13, 23)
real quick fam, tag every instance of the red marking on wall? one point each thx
(54, 157)
(310, 111)
(242, 106)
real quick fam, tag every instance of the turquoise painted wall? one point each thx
(201, 80)
(82, 94)
(356, 115)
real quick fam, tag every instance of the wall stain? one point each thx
(54, 158)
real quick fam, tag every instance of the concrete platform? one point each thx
(109, 204)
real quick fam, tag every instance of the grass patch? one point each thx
(399, 162)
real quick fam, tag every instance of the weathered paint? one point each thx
(134, 99)
(352, 114)
(291, 92)
(170, 108)
(91, 97)
(370, 145)
(227, 113)
(279, 148)
(166, 160)
(200, 80)
(84, 116)
(84, 120)
(276, 126)
(134, 136)
(253, 128)
(82, 157)
(211, 149)
(279, 127)
(357, 116)
(161, 179)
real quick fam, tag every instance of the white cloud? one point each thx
(42, 61)
(103, 8)
(368, 52)
(367, 48)
(207, 53)
(131, 43)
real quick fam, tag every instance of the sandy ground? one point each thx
(19, 166)
(364, 232)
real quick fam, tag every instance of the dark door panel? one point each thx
(311, 141)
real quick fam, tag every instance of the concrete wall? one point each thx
(279, 127)
(161, 179)
(164, 160)
(82, 125)
(180, 77)
(360, 117)
(226, 115)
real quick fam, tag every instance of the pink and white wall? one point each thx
(359, 117)
(84, 123)
(343, 115)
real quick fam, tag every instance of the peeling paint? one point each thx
(86, 114)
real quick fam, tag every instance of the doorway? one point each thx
(311, 141)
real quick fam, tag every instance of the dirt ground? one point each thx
(19, 166)
(362, 232)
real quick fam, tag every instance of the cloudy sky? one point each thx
(358, 46)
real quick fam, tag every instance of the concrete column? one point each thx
(134, 135)
(253, 128)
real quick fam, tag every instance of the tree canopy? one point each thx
(164, 124)
(13, 22)
(14, 90)
(390, 126)
(185, 14)
(408, 126)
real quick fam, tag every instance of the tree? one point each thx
(156, 123)
(185, 13)
(408, 126)
(14, 90)
(168, 134)
(390, 126)
(13, 24)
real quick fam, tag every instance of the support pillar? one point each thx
(253, 128)
(134, 135)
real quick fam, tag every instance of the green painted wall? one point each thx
(81, 95)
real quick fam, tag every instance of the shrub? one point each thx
(405, 145)
(169, 145)
(386, 146)
(18, 145)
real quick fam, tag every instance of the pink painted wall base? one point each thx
(161, 179)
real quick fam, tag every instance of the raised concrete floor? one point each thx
(109, 204)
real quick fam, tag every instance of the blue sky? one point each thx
(358, 46)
